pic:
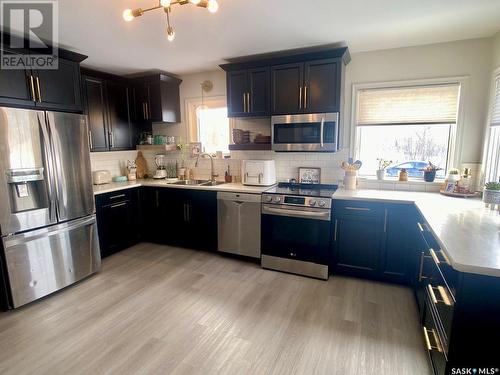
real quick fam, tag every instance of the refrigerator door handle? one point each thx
(47, 154)
(47, 232)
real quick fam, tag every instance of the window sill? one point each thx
(369, 182)
(395, 180)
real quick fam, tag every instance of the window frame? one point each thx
(487, 131)
(192, 104)
(456, 134)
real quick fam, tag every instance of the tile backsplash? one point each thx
(287, 164)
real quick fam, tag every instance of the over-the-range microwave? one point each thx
(305, 132)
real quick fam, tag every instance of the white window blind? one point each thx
(431, 104)
(492, 156)
(495, 111)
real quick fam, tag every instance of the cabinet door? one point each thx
(286, 88)
(95, 109)
(358, 244)
(202, 220)
(258, 91)
(149, 203)
(174, 205)
(170, 109)
(115, 227)
(140, 99)
(321, 86)
(60, 89)
(401, 250)
(236, 90)
(15, 87)
(119, 117)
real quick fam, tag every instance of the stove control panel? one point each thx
(296, 200)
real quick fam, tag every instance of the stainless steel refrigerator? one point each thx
(47, 213)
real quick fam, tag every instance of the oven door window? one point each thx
(296, 238)
(308, 133)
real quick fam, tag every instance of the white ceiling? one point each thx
(203, 40)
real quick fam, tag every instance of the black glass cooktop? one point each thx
(310, 190)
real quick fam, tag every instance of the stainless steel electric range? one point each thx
(297, 229)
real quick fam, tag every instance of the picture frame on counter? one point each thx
(309, 175)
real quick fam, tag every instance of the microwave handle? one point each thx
(321, 140)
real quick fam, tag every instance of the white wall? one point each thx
(496, 51)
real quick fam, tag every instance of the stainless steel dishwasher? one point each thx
(239, 223)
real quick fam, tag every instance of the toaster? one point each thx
(258, 172)
(101, 177)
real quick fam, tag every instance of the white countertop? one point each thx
(467, 231)
(235, 187)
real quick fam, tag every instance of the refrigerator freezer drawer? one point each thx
(43, 261)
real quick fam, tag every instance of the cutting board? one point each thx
(142, 165)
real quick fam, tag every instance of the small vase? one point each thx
(429, 176)
(381, 174)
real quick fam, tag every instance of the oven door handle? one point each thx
(323, 215)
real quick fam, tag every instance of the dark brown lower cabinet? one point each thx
(179, 217)
(117, 215)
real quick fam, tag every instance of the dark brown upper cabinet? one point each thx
(107, 106)
(156, 99)
(310, 87)
(15, 88)
(49, 89)
(290, 83)
(248, 92)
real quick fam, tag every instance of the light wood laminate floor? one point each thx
(162, 310)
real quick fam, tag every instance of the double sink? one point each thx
(198, 183)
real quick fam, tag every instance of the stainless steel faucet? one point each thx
(212, 174)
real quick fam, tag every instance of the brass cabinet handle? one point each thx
(38, 89)
(118, 205)
(90, 140)
(436, 259)
(430, 347)
(244, 103)
(305, 96)
(421, 227)
(300, 97)
(32, 86)
(111, 139)
(248, 102)
(442, 293)
(117, 196)
(420, 276)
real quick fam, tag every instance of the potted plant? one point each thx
(430, 172)
(382, 165)
(491, 193)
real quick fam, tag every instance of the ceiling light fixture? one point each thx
(130, 14)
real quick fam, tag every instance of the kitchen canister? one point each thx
(350, 179)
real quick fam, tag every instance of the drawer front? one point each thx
(439, 298)
(114, 197)
(433, 341)
(358, 208)
(451, 276)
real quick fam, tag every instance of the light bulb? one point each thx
(170, 34)
(165, 3)
(195, 2)
(128, 15)
(213, 6)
